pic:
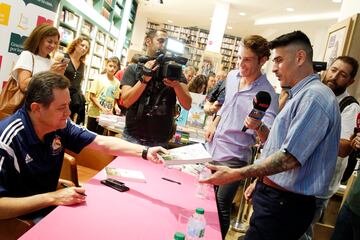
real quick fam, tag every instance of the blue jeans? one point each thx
(347, 225)
(321, 204)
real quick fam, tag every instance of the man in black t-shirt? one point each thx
(151, 101)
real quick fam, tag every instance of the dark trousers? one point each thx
(151, 143)
(94, 126)
(347, 225)
(225, 195)
(279, 215)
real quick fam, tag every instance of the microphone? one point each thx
(261, 103)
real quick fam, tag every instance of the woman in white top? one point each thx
(43, 40)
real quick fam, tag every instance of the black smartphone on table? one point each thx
(117, 185)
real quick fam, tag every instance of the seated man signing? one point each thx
(32, 144)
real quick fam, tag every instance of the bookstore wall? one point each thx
(196, 39)
(100, 21)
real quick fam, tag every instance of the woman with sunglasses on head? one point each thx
(43, 41)
(76, 52)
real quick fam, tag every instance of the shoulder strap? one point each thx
(346, 101)
(32, 70)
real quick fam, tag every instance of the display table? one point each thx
(152, 210)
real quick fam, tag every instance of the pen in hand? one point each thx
(66, 186)
(169, 180)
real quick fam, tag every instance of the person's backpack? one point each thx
(352, 160)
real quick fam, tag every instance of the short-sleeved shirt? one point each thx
(229, 140)
(25, 62)
(151, 117)
(348, 123)
(106, 91)
(29, 166)
(308, 128)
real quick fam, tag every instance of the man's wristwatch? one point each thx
(145, 152)
(260, 126)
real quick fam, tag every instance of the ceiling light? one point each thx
(289, 9)
(229, 27)
(297, 18)
(242, 13)
(169, 21)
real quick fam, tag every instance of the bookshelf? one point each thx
(129, 31)
(196, 40)
(100, 21)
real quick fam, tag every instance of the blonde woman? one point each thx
(76, 52)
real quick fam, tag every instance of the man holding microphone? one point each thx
(227, 143)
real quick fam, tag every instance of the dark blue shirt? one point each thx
(29, 166)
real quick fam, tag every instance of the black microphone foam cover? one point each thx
(262, 101)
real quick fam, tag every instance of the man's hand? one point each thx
(171, 83)
(153, 154)
(252, 123)
(223, 175)
(68, 196)
(249, 191)
(215, 107)
(209, 134)
(355, 141)
(150, 65)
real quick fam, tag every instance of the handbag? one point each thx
(11, 97)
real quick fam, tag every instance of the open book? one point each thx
(125, 174)
(195, 153)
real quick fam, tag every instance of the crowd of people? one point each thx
(307, 133)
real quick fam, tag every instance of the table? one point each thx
(152, 210)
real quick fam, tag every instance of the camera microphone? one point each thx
(261, 103)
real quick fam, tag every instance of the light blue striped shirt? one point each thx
(308, 128)
(229, 141)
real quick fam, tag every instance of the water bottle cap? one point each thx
(200, 211)
(179, 236)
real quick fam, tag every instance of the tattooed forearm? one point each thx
(275, 163)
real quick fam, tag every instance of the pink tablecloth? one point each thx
(153, 210)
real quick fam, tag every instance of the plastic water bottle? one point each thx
(196, 225)
(179, 236)
(202, 190)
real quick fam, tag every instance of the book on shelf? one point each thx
(189, 154)
(125, 174)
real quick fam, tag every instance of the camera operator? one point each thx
(151, 100)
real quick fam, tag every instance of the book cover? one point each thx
(190, 154)
(196, 115)
(125, 174)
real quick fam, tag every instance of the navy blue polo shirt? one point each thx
(29, 166)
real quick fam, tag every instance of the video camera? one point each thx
(170, 63)
(319, 66)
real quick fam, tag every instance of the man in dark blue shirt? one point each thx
(32, 144)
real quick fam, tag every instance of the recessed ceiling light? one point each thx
(289, 9)
(297, 18)
(229, 27)
(337, 1)
(242, 13)
(169, 21)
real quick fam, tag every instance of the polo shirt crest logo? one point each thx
(56, 145)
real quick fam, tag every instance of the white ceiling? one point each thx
(199, 12)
